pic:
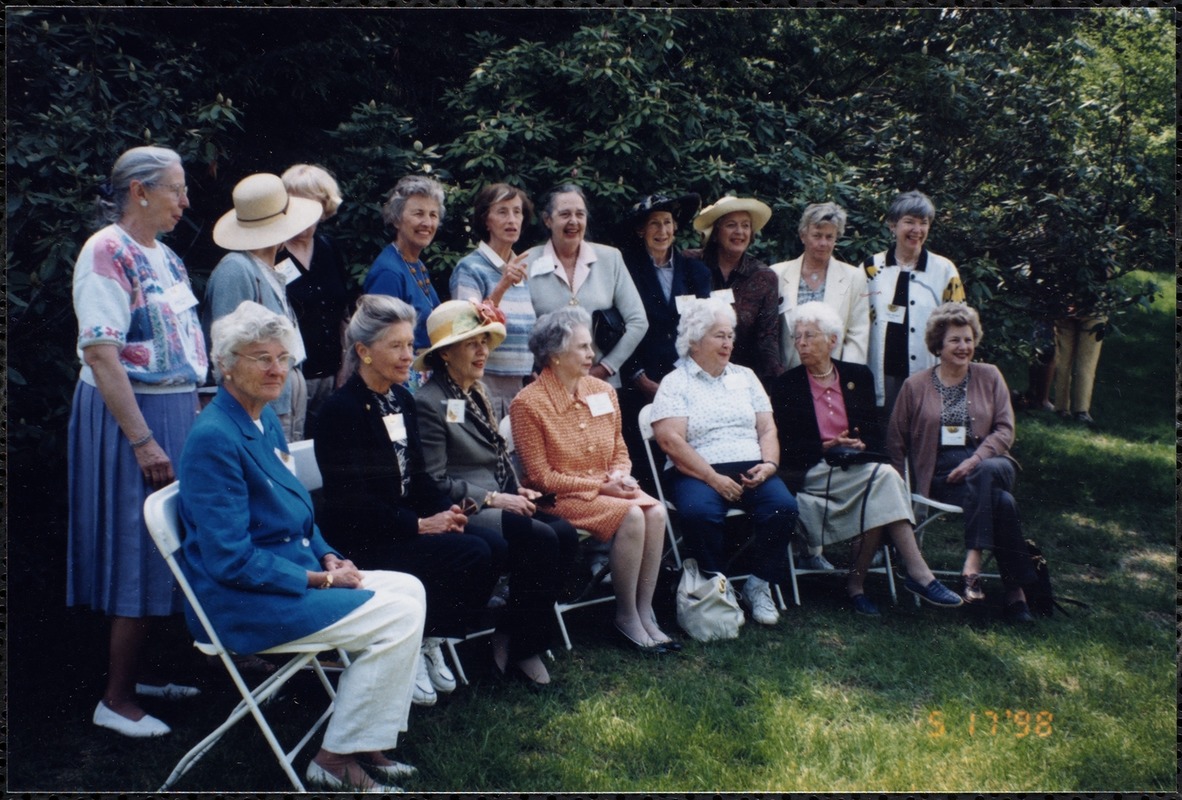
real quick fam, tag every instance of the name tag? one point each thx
(288, 271)
(456, 409)
(599, 403)
(725, 295)
(180, 297)
(734, 381)
(286, 460)
(952, 435)
(683, 300)
(395, 427)
(894, 313)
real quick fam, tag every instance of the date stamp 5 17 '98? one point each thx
(987, 722)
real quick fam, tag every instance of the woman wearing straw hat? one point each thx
(729, 226)
(263, 218)
(469, 461)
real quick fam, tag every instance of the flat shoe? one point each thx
(143, 728)
(169, 691)
(1018, 613)
(652, 649)
(864, 606)
(973, 592)
(390, 772)
(322, 777)
(935, 593)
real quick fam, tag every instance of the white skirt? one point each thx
(831, 501)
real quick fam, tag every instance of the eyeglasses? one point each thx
(178, 190)
(264, 362)
(807, 336)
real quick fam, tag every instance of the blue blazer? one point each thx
(656, 353)
(249, 537)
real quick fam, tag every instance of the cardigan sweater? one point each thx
(914, 429)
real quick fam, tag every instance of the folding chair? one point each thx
(646, 433)
(585, 597)
(161, 517)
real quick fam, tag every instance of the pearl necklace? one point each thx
(825, 375)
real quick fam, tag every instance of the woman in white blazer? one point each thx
(817, 276)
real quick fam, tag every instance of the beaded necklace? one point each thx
(418, 271)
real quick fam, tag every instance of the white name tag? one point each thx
(455, 411)
(734, 381)
(725, 295)
(395, 427)
(290, 272)
(180, 297)
(952, 435)
(286, 460)
(599, 403)
(894, 313)
(683, 300)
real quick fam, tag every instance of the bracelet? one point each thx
(773, 463)
(327, 581)
(138, 443)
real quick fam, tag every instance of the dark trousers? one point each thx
(702, 511)
(539, 554)
(991, 520)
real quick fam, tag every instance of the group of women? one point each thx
(409, 397)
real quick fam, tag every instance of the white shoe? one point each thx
(599, 562)
(318, 775)
(169, 691)
(758, 594)
(817, 562)
(424, 693)
(437, 670)
(146, 726)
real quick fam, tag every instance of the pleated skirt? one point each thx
(112, 565)
(842, 491)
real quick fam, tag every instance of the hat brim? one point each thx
(231, 234)
(495, 330)
(682, 208)
(760, 213)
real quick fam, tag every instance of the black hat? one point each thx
(682, 208)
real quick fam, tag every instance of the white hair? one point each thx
(819, 314)
(247, 324)
(699, 316)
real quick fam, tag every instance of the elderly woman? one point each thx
(824, 407)
(379, 498)
(729, 227)
(954, 424)
(566, 426)
(819, 277)
(713, 419)
(258, 561)
(906, 283)
(569, 271)
(495, 273)
(263, 218)
(319, 287)
(135, 401)
(413, 210)
(469, 462)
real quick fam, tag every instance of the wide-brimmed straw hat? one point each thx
(682, 208)
(264, 214)
(457, 320)
(760, 213)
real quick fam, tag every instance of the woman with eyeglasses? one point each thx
(263, 218)
(143, 357)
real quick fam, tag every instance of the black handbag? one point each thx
(846, 457)
(607, 328)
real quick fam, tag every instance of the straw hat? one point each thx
(760, 213)
(457, 320)
(264, 215)
(682, 208)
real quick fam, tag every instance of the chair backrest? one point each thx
(306, 468)
(506, 429)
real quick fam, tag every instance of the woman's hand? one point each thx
(450, 521)
(517, 503)
(845, 440)
(963, 469)
(343, 574)
(757, 475)
(600, 371)
(617, 484)
(725, 486)
(514, 271)
(154, 464)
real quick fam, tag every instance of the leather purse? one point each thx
(607, 328)
(846, 457)
(707, 607)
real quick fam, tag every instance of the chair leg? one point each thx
(792, 576)
(562, 626)
(890, 574)
(455, 659)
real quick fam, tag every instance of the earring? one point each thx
(144, 203)
(367, 360)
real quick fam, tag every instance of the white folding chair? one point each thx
(307, 470)
(586, 598)
(161, 517)
(646, 433)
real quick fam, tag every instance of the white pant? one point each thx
(382, 638)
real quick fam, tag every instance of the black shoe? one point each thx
(653, 649)
(1018, 613)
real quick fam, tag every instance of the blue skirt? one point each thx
(113, 566)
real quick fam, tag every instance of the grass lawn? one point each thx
(921, 700)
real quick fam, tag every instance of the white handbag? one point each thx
(707, 608)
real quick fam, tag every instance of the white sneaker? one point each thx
(758, 594)
(145, 727)
(817, 562)
(441, 677)
(424, 693)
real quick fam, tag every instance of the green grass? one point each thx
(824, 702)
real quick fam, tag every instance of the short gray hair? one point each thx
(552, 332)
(822, 214)
(375, 313)
(564, 188)
(408, 187)
(819, 314)
(247, 324)
(911, 204)
(144, 164)
(699, 316)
